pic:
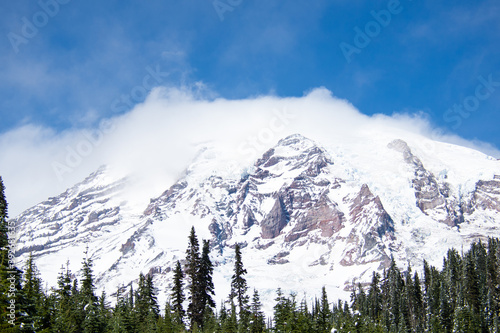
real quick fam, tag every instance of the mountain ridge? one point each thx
(303, 215)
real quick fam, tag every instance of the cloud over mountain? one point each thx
(156, 140)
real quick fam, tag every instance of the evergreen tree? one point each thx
(118, 321)
(493, 282)
(230, 324)
(472, 296)
(223, 317)
(239, 288)
(418, 300)
(87, 290)
(33, 320)
(304, 319)
(205, 284)
(194, 310)
(104, 312)
(285, 313)
(87, 300)
(166, 323)
(209, 320)
(146, 304)
(324, 313)
(257, 319)
(280, 312)
(124, 317)
(445, 310)
(359, 300)
(178, 296)
(66, 317)
(374, 299)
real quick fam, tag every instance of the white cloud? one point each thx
(158, 138)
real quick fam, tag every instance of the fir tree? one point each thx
(471, 284)
(118, 318)
(374, 299)
(223, 317)
(418, 304)
(230, 324)
(66, 318)
(239, 288)
(205, 282)
(257, 319)
(209, 320)
(87, 290)
(445, 310)
(88, 305)
(146, 304)
(285, 313)
(324, 313)
(194, 310)
(304, 319)
(178, 296)
(166, 323)
(34, 296)
(104, 312)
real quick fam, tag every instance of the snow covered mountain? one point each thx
(305, 214)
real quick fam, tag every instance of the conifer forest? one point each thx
(461, 296)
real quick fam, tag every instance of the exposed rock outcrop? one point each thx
(431, 196)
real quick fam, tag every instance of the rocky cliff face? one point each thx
(487, 195)
(432, 196)
(89, 209)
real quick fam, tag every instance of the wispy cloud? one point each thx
(158, 138)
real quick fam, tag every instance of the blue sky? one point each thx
(69, 64)
(427, 58)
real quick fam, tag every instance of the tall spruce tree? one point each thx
(123, 319)
(230, 323)
(324, 313)
(66, 317)
(87, 300)
(257, 318)
(178, 296)
(146, 304)
(239, 288)
(205, 282)
(34, 296)
(374, 299)
(194, 310)
(281, 312)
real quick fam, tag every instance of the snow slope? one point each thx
(307, 214)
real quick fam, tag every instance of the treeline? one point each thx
(464, 296)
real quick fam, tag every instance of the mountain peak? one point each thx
(296, 141)
(293, 137)
(303, 219)
(294, 152)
